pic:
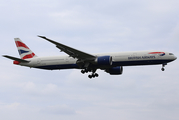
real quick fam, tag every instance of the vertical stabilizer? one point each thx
(24, 51)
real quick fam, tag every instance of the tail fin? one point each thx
(23, 50)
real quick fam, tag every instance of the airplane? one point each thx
(111, 63)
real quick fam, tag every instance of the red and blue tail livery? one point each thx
(24, 51)
(111, 63)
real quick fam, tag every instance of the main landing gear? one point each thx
(93, 75)
(163, 65)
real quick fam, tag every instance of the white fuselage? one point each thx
(118, 59)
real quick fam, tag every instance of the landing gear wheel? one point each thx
(96, 75)
(90, 76)
(86, 71)
(163, 69)
(82, 71)
(93, 75)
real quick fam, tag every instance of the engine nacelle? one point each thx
(104, 60)
(115, 70)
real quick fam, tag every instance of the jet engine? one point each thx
(104, 60)
(115, 70)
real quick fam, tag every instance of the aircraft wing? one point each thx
(71, 51)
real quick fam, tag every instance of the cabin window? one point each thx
(171, 54)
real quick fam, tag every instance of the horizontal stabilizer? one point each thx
(16, 59)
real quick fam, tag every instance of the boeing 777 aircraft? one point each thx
(111, 63)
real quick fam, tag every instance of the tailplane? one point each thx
(24, 51)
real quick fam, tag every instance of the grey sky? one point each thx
(143, 92)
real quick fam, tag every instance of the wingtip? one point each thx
(4, 55)
(42, 37)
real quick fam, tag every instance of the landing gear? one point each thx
(163, 69)
(93, 75)
(163, 65)
(84, 71)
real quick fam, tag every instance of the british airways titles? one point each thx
(141, 57)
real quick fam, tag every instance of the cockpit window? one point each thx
(171, 54)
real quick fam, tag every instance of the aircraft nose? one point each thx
(175, 57)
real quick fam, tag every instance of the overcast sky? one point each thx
(94, 26)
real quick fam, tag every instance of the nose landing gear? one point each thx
(163, 65)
